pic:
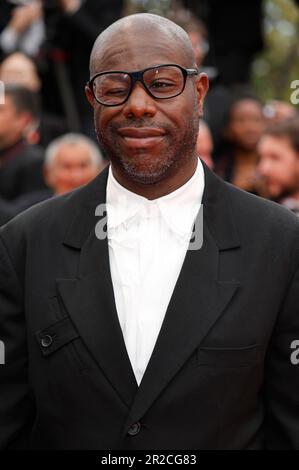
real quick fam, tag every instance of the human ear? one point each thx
(48, 176)
(89, 96)
(202, 86)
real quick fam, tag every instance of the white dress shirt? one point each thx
(148, 240)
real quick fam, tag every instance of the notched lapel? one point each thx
(89, 299)
(89, 303)
(197, 303)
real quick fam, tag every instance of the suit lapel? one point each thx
(198, 300)
(89, 299)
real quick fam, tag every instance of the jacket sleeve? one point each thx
(16, 409)
(282, 375)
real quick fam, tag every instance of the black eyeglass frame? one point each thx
(138, 77)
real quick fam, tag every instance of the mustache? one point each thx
(142, 122)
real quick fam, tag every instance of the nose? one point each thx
(76, 175)
(139, 103)
(263, 167)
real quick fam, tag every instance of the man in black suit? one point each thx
(20, 163)
(120, 331)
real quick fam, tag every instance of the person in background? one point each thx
(70, 161)
(278, 150)
(19, 69)
(20, 163)
(278, 111)
(22, 27)
(205, 144)
(243, 126)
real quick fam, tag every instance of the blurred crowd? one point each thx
(47, 141)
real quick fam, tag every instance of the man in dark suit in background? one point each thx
(20, 163)
(131, 331)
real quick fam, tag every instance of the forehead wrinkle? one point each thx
(139, 56)
(121, 59)
(120, 53)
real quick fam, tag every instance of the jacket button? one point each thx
(46, 341)
(134, 429)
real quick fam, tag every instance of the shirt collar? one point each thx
(178, 208)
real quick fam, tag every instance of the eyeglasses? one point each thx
(161, 82)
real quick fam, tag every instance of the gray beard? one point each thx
(183, 151)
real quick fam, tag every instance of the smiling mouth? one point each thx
(141, 137)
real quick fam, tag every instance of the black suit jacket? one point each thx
(21, 170)
(9, 209)
(220, 375)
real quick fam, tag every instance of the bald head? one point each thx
(134, 34)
